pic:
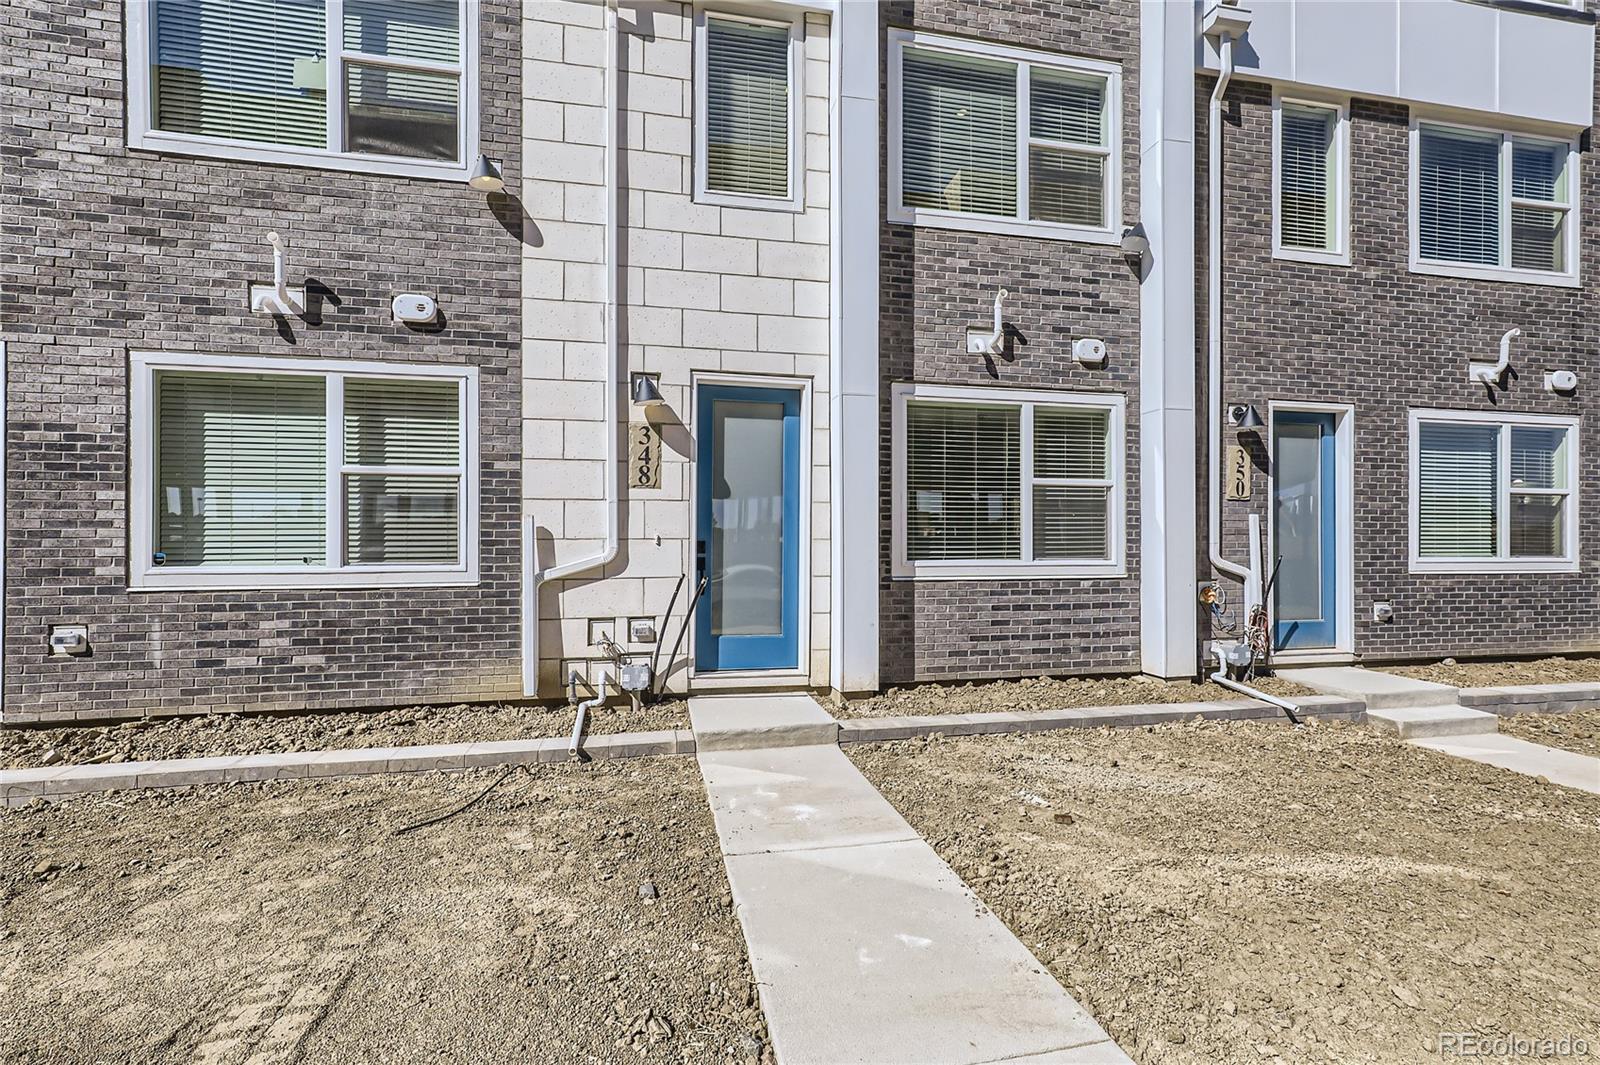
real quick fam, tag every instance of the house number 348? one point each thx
(644, 456)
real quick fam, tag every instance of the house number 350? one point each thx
(644, 456)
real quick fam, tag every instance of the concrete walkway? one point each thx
(866, 946)
(1536, 760)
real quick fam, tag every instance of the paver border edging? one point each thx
(1508, 699)
(20, 786)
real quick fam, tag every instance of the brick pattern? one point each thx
(107, 250)
(1385, 340)
(702, 289)
(935, 284)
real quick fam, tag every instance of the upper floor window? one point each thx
(747, 111)
(1493, 205)
(386, 86)
(298, 472)
(1493, 492)
(993, 482)
(1003, 140)
(1310, 182)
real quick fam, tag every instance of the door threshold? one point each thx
(1313, 657)
(750, 678)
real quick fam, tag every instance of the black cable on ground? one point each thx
(462, 807)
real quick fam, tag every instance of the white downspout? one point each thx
(1214, 316)
(532, 577)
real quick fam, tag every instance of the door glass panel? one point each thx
(746, 592)
(1297, 514)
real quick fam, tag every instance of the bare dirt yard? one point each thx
(1246, 892)
(1046, 693)
(1493, 674)
(1577, 730)
(241, 733)
(577, 914)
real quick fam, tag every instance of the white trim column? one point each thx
(853, 332)
(1168, 544)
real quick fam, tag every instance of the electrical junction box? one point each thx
(413, 308)
(69, 639)
(641, 630)
(635, 677)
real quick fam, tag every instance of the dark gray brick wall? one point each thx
(107, 250)
(936, 283)
(1386, 340)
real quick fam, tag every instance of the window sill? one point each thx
(1008, 571)
(1303, 255)
(178, 144)
(1479, 567)
(195, 580)
(1014, 227)
(787, 205)
(1495, 273)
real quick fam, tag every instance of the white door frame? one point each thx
(750, 678)
(1344, 435)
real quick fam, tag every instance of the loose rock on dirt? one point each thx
(1046, 693)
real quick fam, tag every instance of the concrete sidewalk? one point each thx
(866, 946)
(1567, 768)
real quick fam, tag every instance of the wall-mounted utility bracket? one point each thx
(1489, 373)
(278, 297)
(993, 343)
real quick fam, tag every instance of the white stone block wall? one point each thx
(703, 289)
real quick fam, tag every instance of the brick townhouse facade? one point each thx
(712, 376)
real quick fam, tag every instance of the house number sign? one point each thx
(1238, 472)
(644, 456)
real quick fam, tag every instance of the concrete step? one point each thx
(1418, 722)
(756, 722)
(1377, 689)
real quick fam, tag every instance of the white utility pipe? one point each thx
(575, 748)
(532, 577)
(280, 279)
(1490, 373)
(1214, 314)
(1288, 706)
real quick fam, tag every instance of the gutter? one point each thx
(532, 577)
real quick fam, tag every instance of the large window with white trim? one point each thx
(378, 85)
(1495, 205)
(1493, 492)
(1001, 139)
(997, 482)
(256, 472)
(748, 111)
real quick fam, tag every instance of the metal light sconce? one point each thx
(485, 176)
(1244, 416)
(1135, 245)
(645, 390)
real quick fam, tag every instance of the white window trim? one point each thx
(1503, 563)
(1567, 279)
(1340, 254)
(144, 575)
(1115, 566)
(795, 201)
(142, 134)
(1110, 233)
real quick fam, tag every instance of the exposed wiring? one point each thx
(434, 819)
(683, 627)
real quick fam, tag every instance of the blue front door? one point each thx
(748, 528)
(1304, 499)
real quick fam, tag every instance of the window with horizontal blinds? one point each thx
(958, 121)
(1066, 184)
(1458, 196)
(1458, 490)
(240, 469)
(1539, 205)
(1539, 488)
(253, 70)
(396, 517)
(1029, 482)
(748, 107)
(1307, 177)
(409, 29)
(963, 482)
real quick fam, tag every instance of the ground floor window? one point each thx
(1003, 482)
(262, 472)
(1493, 492)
